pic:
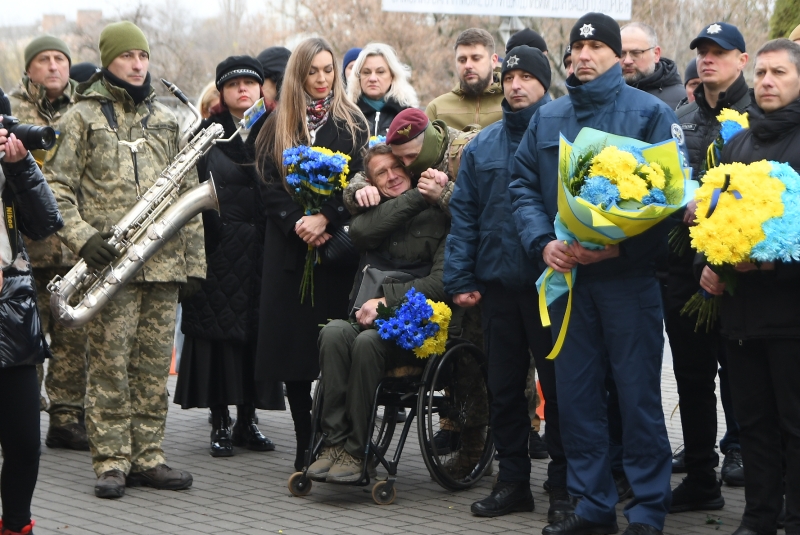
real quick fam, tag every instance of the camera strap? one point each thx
(10, 215)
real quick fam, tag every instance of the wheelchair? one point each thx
(451, 387)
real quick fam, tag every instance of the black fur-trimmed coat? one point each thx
(226, 307)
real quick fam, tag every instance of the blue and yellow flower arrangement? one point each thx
(313, 175)
(417, 324)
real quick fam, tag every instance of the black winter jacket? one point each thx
(700, 128)
(665, 83)
(379, 121)
(36, 212)
(764, 304)
(226, 307)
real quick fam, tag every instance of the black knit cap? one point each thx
(567, 53)
(597, 27)
(530, 60)
(691, 72)
(81, 72)
(236, 66)
(273, 60)
(526, 37)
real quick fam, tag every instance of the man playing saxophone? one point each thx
(114, 143)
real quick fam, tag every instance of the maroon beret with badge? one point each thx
(407, 125)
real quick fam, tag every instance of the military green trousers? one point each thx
(130, 350)
(353, 362)
(65, 383)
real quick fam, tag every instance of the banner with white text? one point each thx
(568, 9)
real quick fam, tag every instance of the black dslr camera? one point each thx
(33, 137)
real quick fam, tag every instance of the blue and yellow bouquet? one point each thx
(313, 175)
(374, 140)
(611, 188)
(418, 324)
(745, 213)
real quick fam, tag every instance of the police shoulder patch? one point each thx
(677, 133)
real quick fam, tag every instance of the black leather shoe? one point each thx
(246, 434)
(161, 477)
(624, 490)
(561, 505)
(575, 525)
(732, 471)
(71, 436)
(746, 531)
(688, 496)
(506, 497)
(679, 462)
(110, 484)
(537, 447)
(641, 529)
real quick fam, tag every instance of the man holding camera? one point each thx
(115, 141)
(43, 95)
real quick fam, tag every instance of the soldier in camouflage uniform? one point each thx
(42, 97)
(115, 141)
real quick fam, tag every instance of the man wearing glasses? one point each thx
(645, 69)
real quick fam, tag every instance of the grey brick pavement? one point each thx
(247, 494)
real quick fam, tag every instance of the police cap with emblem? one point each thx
(530, 60)
(407, 125)
(597, 27)
(725, 35)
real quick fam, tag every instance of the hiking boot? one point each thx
(110, 484)
(161, 477)
(732, 468)
(446, 441)
(319, 469)
(346, 469)
(71, 436)
(689, 496)
(561, 505)
(26, 530)
(537, 447)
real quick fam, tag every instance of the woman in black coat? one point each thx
(313, 110)
(220, 321)
(379, 86)
(22, 345)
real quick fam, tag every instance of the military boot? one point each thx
(161, 477)
(246, 433)
(71, 436)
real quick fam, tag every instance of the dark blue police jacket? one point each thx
(606, 103)
(483, 244)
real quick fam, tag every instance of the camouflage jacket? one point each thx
(359, 180)
(458, 109)
(92, 174)
(30, 105)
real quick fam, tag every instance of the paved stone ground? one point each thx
(248, 494)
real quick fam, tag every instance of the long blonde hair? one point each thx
(288, 128)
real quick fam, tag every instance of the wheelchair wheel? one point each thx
(299, 485)
(455, 388)
(383, 496)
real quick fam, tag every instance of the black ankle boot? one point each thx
(246, 433)
(221, 445)
(302, 433)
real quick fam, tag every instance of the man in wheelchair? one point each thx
(405, 232)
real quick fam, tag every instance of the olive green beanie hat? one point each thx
(45, 42)
(120, 37)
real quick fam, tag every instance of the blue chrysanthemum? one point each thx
(599, 191)
(729, 129)
(656, 196)
(637, 153)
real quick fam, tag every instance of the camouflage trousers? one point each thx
(65, 382)
(130, 350)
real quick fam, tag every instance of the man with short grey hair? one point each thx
(645, 69)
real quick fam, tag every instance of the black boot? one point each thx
(246, 433)
(302, 432)
(221, 445)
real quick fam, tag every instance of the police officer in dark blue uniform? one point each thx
(616, 316)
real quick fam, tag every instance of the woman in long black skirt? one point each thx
(313, 110)
(220, 321)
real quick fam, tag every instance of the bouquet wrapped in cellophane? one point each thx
(417, 324)
(745, 213)
(610, 188)
(314, 174)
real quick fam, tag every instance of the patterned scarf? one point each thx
(317, 112)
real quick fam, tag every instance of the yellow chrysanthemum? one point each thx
(655, 175)
(735, 226)
(613, 163)
(631, 187)
(435, 345)
(728, 114)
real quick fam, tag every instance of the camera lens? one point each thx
(34, 137)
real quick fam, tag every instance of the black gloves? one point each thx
(97, 252)
(189, 288)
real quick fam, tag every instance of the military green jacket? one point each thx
(458, 109)
(409, 229)
(92, 174)
(29, 104)
(360, 179)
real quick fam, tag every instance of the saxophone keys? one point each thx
(112, 277)
(156, 231)
(136, 253)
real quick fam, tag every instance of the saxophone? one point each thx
(157, 216)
